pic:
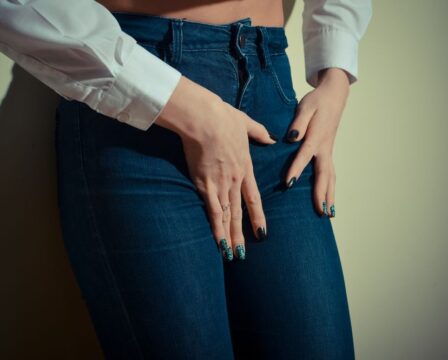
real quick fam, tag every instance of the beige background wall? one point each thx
(391, 225)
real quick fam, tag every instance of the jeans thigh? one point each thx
(138, 239)
(287, 299)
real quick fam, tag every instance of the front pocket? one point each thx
(280, 72)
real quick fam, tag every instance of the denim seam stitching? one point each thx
(235, 74)
(275, 79)
(96, 233)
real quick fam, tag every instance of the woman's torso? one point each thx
(262, 12)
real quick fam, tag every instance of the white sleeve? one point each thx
(78, 49)
(331, 31)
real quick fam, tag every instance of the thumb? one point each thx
(258, 132)
(298, 127)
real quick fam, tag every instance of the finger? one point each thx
(331, 194)
(226, 245)
(215, 214)
(303, 157)
(320, 186)
(258, 131)
(252, 199)
(298, 127)
(236, 228)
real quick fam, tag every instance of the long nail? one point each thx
(240, 252)
(262, 235)
(324, 206)
(223, 244)
(291, 182)
(292, 135)
(228, 253)
(333, 211)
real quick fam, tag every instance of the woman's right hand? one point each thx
(215, 138)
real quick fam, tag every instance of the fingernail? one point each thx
(240, 252)
(261, 231)
(291, 182)
(293, 134)
(333, 211)
(324, 205)
(223, 244)
(228, 253)
(272, 136)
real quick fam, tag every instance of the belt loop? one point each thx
(266, 55)
(177, 40)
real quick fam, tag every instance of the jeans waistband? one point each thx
(182, 34)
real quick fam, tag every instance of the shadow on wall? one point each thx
(43, 316)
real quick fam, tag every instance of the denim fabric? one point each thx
(137, 233)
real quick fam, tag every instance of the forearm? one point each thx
(79, 50)
(336, 76)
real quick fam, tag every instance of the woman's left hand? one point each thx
(318, 115)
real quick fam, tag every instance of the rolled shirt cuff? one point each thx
(141, 89)
(330, 47)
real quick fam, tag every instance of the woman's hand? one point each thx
(318, 116)
(215, 138)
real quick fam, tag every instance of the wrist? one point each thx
(334, 75)
(180, 114)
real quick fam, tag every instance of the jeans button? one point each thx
(242, 40)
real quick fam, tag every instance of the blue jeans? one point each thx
(137, 233)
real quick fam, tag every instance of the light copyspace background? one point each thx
(391, 225)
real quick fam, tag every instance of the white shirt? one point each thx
(78, 49)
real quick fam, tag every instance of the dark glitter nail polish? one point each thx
(223, 244)
(333, 211)
(292, 181)
(228, 253)
(293, 134)
(240, 252)
(324, 206)
(262, 235)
